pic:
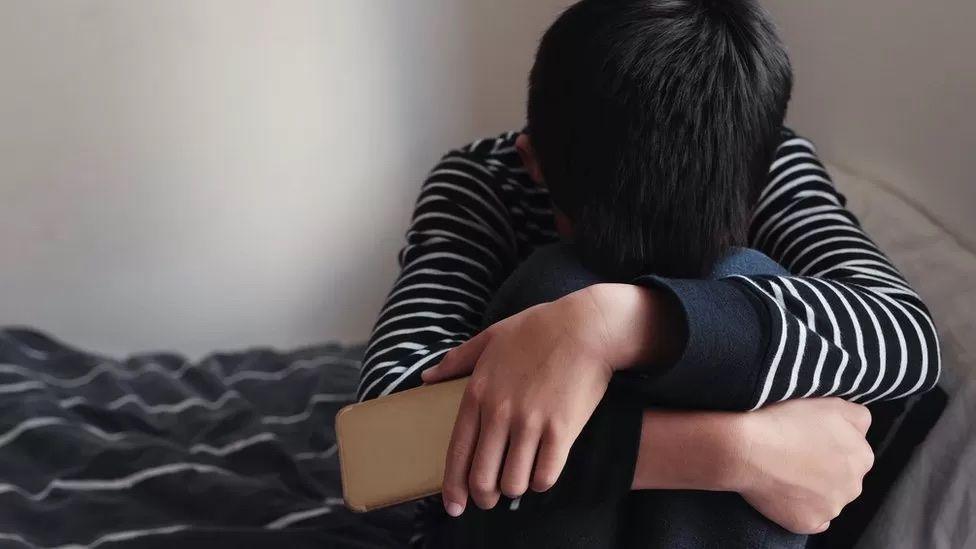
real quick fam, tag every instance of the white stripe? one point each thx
(778, 220)
(407, 331)
(426, 301)
(882, 349)
(865, 251)
(938, 349)
(808, 234)
(858, 265)
(812, 327)
(427, 286)
(828, 196)
(306, 456)
(902, 347)
(409, 345)
(28, 425)
(440, 255)
(434, 197)
(128, 536)
(482, 227)
(200, 448)
(835, 334)
(104, 367)
(369, 389)
(432, 183)
(426, 314)
(797, 168)
(323, 398)
(407, 274)
(888, 285)
(784, 159)
(783, 189)
(823, 217)
(811, 320)
(441, 236)
(304, 364)
(299, 516)
(921, 340)
(24, 348)
(389, 388)
(21, 387)
(800, 349)
(818, 370)
(100, 485)
(16, 537)
(224, 451)
(858, 336)
(863, 241)
(774, 365)
(138, 402)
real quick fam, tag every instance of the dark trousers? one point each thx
(634, 519)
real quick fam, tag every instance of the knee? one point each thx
(551, 272)
(746, 261)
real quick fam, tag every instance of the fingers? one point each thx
(553, 452)
(460, 452)
(459, 361)
(857, 415)
(522, 448)
(487, 462)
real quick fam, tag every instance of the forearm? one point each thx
(689, 451)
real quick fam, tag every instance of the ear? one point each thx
(524, 146)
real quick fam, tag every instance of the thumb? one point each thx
(458, 362)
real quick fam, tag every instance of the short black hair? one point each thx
(654, 123)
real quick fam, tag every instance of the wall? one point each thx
(193, 175)
(888, 90)
(200, 174)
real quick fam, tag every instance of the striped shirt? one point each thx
(844, 323)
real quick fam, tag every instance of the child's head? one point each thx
(653, 123)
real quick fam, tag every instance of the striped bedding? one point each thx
(236, 450)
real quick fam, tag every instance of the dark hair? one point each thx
(654, 122)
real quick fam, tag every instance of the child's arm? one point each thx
(847, 325)
(459, 249)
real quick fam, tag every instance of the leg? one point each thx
(642, 519)
(684, 519)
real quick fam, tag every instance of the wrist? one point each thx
(643, 327)
(692, 451)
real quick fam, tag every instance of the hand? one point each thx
(536, 379)
(805, 460)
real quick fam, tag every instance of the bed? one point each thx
(238, 449)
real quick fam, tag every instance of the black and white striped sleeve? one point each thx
(460, 247)
(845, 323)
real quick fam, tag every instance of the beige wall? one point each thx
(888, 89)
(197, 174)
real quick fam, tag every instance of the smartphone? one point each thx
(392, 449)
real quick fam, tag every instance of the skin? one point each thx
(537, 377)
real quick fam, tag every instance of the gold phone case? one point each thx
(392, 449)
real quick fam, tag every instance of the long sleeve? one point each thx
(460, 247)
(845, 322)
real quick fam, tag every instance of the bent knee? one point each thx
(549, 273)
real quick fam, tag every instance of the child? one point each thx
(652, 131)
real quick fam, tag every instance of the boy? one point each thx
(654, 143)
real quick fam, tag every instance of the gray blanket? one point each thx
(237, 450)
